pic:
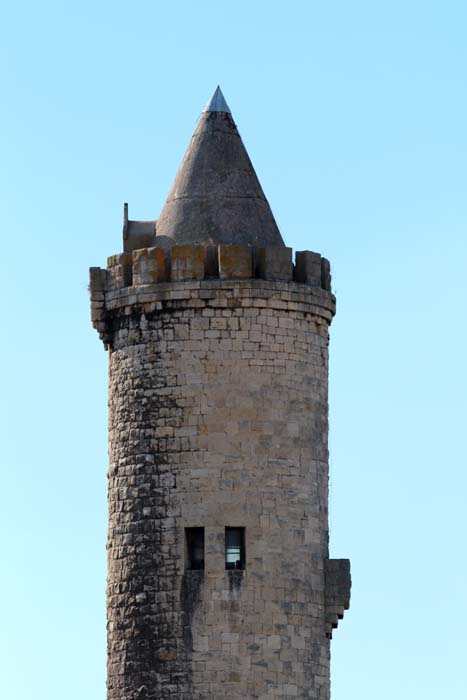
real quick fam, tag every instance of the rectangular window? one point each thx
(195, 548)
(235, 548)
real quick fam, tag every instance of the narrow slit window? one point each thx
(195, 548)
(235, 548)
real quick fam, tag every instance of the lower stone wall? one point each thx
(218, 417)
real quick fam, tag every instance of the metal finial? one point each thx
(217, 103)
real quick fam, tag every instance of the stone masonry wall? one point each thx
(217, 418)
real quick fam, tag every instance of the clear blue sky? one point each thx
(354, 114)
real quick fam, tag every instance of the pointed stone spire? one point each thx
(216, 196)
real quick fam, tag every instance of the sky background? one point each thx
(354, 115)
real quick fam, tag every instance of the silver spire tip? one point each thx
(217, 103)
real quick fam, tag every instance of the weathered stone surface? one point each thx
(325, 274)
(149, 266)
(119, 271)
(274, 263)
(235, 262)
(97, 280)
(216, 196)
(187, 263)
(308, 268)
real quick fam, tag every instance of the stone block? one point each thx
(97, 280)
(274, 263)
(187, 263)
(235, 262)
(120, 271)
(308, 268)
(326, 274)
(149, 266)
(338, 581)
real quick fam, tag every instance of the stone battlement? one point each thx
(153, 278)
(233, 262)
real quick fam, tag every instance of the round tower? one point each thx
(219, 577)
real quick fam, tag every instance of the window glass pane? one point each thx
(232, 554)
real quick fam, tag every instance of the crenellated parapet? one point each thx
(156, 274)
(185, 263)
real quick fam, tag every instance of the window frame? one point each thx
(240, 563)
(195, 542)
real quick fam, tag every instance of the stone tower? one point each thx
(219, 578)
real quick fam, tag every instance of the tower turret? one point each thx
(219, 577)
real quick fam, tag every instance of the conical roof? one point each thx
(216, 196)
